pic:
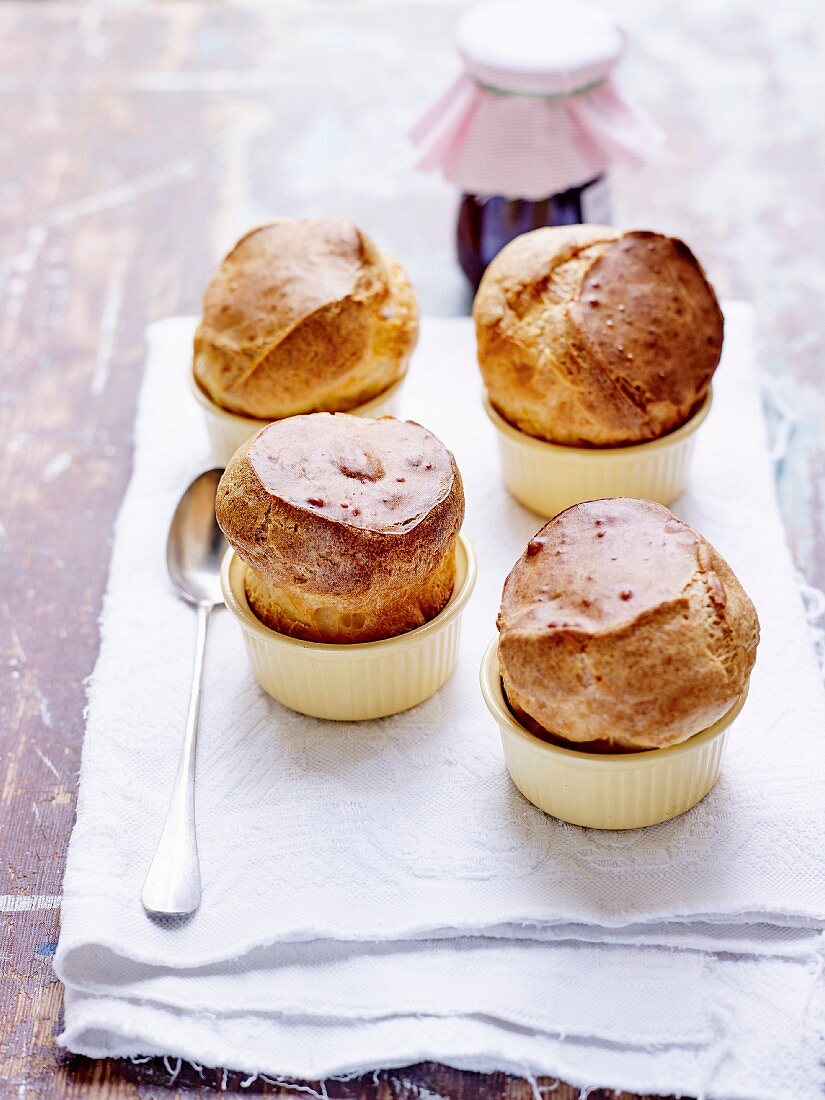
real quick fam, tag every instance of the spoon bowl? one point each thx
(196, 546)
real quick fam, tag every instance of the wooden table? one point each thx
(137, 142)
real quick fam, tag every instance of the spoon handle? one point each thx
(173, 884)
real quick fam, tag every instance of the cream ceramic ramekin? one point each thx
(606, 791)
(353, 682)
(547, 477)
(228, 430)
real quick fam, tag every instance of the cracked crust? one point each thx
(591, 336)
(380, 566)
(622, 627)
(304, 316)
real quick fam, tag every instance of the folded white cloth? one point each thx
(379, 893)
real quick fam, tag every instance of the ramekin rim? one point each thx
(592, 453)
(220, 413)
(251, 624)
(493, 694)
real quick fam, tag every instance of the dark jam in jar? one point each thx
(486, 225)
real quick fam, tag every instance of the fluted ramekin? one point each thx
(353, 682)
(228, 430)
(606, 790)
(548, 477)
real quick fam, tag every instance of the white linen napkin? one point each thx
(379, 893)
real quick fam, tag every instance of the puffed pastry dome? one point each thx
(621, 626)
(349, 525)
(596, 337)
(303, 316)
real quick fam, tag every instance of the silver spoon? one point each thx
(193, 556)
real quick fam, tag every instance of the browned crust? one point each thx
(638, 637)
(304, 316)
(313, 616)
(592, 336)
(329, 581)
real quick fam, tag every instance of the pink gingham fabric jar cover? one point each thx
(536, 110)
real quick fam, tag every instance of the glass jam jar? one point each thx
(529, 129)
(486, 225)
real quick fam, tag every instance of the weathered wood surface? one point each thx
(136, 142)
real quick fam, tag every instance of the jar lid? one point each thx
(538, 47)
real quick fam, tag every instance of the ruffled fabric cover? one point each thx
(496, 142)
